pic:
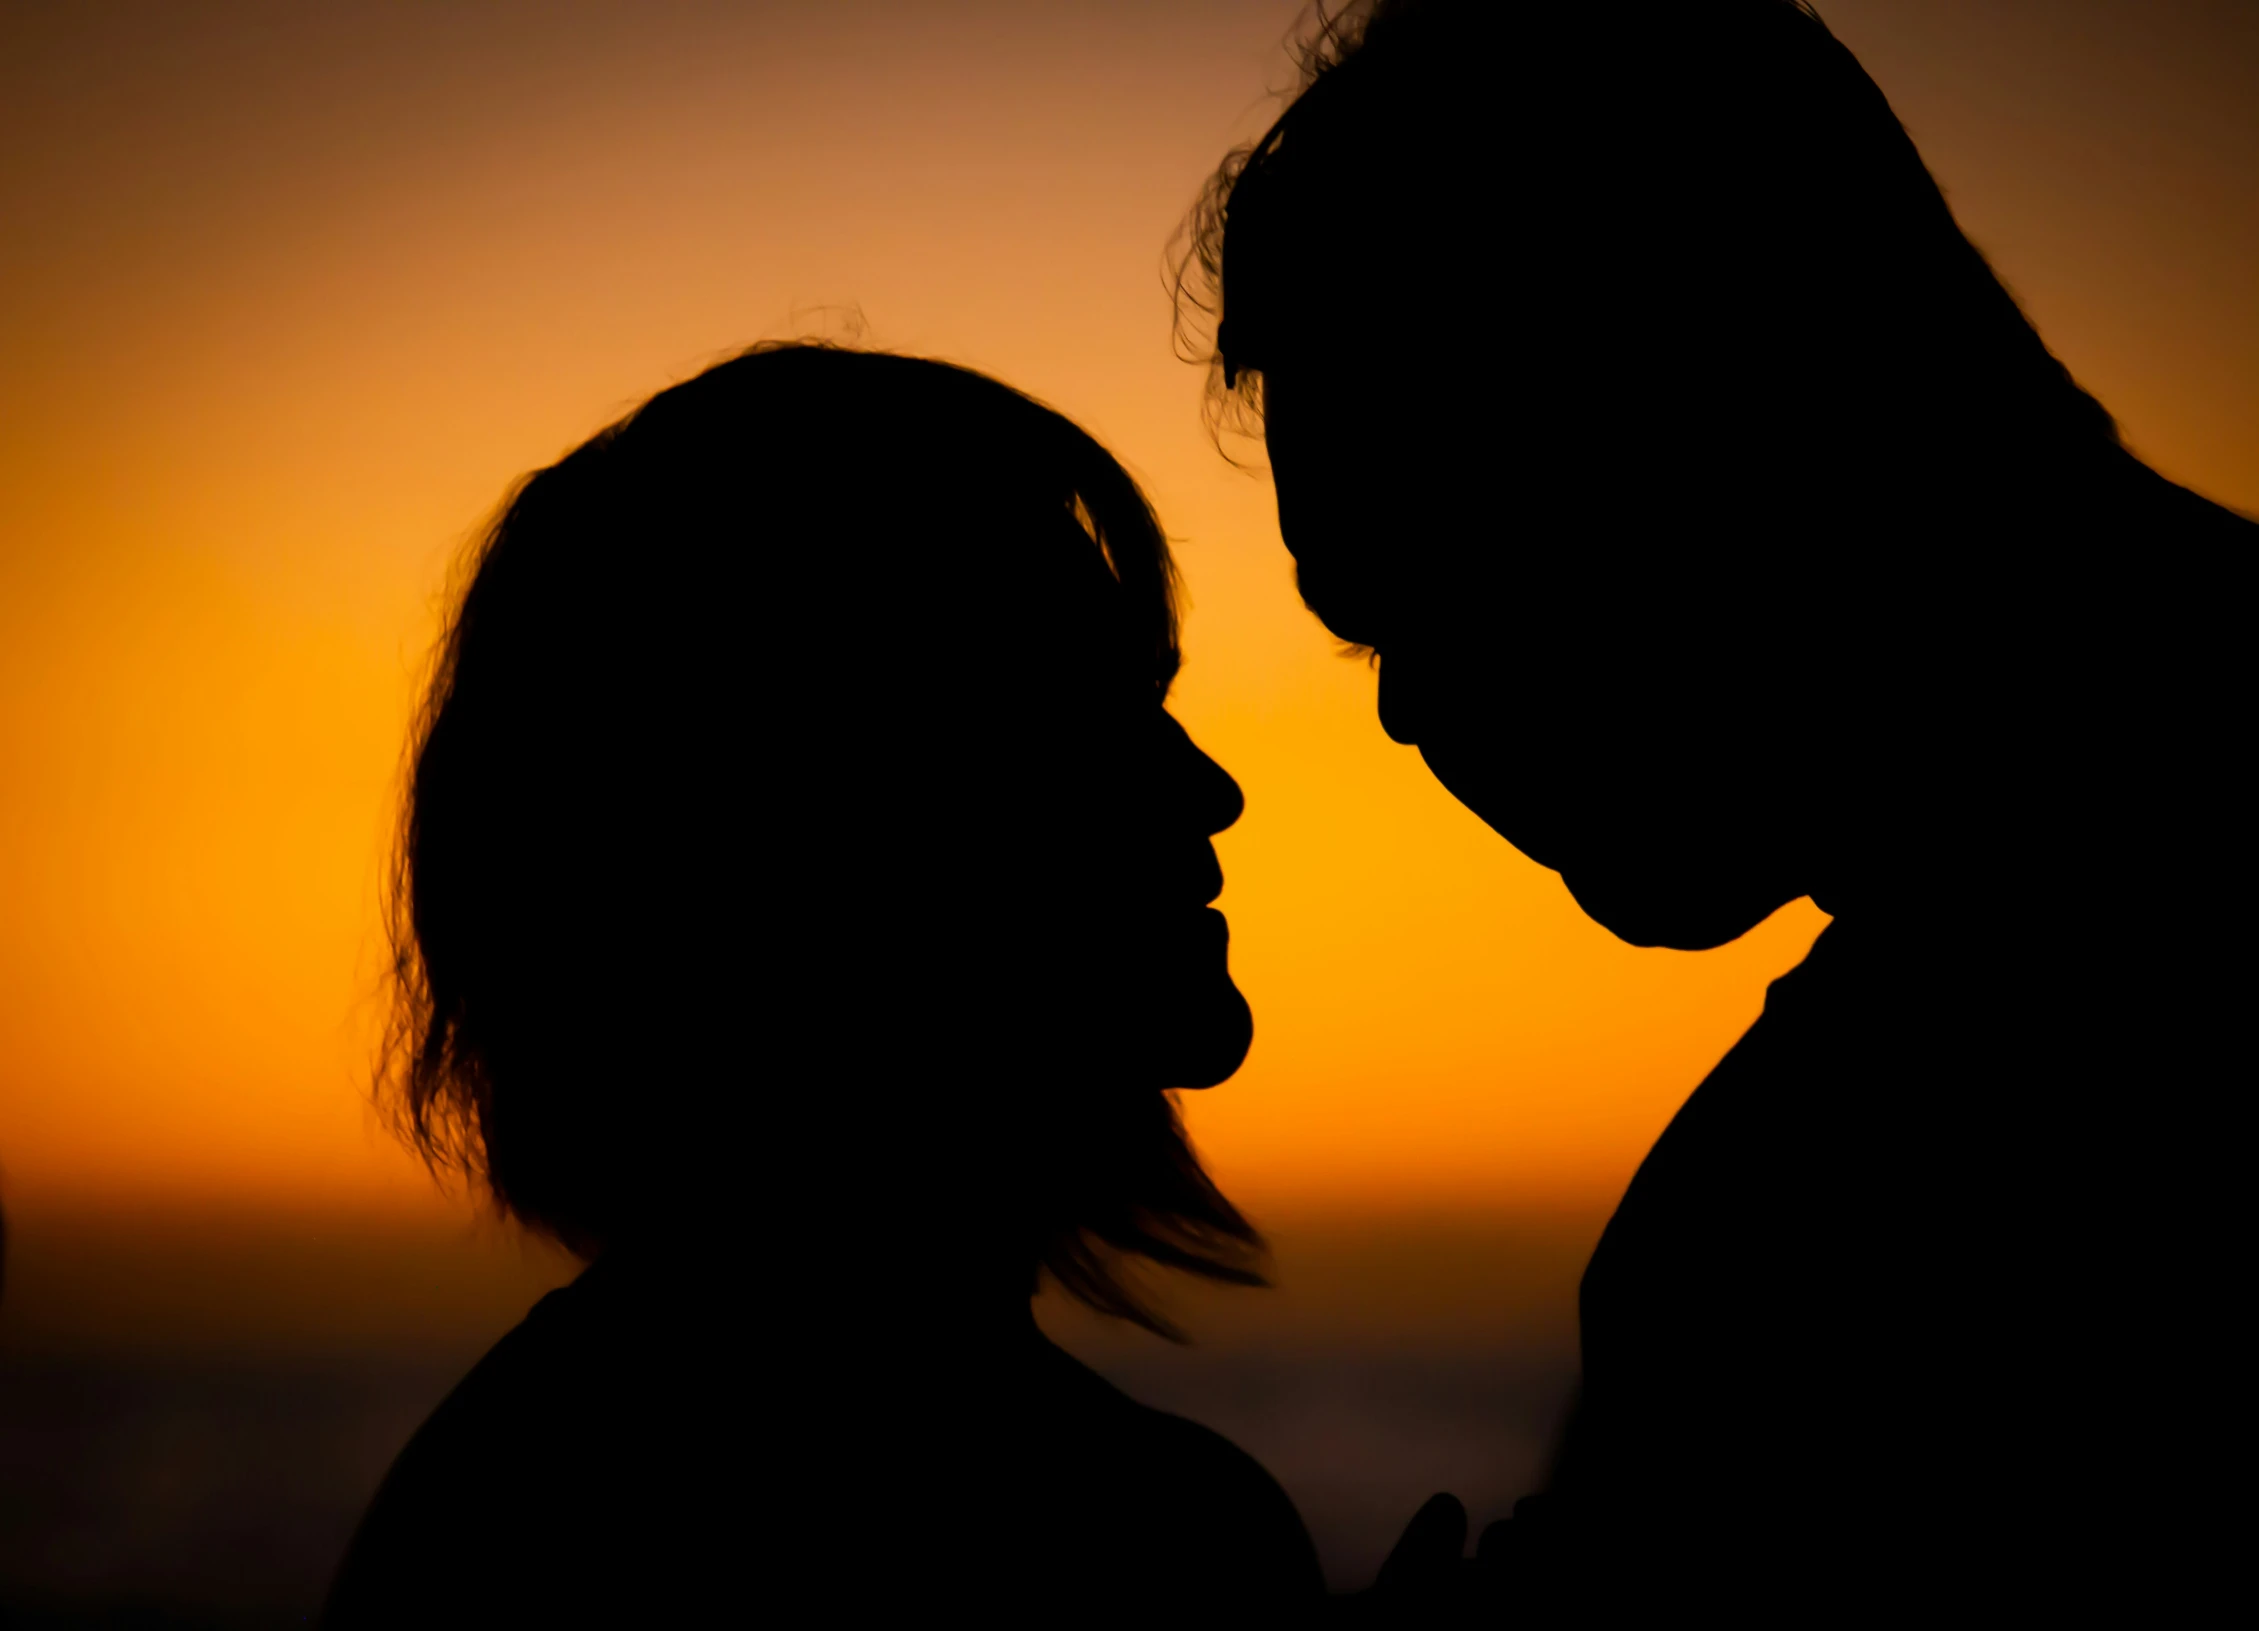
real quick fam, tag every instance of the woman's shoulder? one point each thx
(1213, 1508)
(1176, 1446)
(466, 1492)
(506, 1395)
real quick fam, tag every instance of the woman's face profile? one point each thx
(1196, 1025)
(1082, 876)
(1128, 949)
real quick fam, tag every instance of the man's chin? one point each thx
(1659, 916)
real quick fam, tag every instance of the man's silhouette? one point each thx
(1725, 534)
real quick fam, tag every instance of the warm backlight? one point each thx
(287, 302)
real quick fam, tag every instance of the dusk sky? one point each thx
(289, 295)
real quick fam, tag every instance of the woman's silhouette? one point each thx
(802, 913)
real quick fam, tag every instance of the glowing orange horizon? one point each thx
(291, 322)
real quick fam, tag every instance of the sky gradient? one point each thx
(288, 296)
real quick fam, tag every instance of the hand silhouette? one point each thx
(1428, 1578)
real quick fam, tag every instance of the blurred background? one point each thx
(288, 296)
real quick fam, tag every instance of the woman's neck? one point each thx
(893, 1283)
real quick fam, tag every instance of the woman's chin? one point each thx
(1210, 1041)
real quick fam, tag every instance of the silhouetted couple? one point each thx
(804, 894)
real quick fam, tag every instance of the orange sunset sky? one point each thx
(288, 295)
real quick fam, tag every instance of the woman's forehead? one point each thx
(1112, 622)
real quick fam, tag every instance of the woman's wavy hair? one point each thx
(1734, 145)
(735, 583)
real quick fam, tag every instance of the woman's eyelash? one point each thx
(1360, 653)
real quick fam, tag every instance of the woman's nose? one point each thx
(1223, 802)
(1207, 790)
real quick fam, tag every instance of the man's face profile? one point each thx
(1549, 665)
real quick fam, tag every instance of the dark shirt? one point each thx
(1919, 1298)
(630, 1453)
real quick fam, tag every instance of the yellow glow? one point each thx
(281, 339)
